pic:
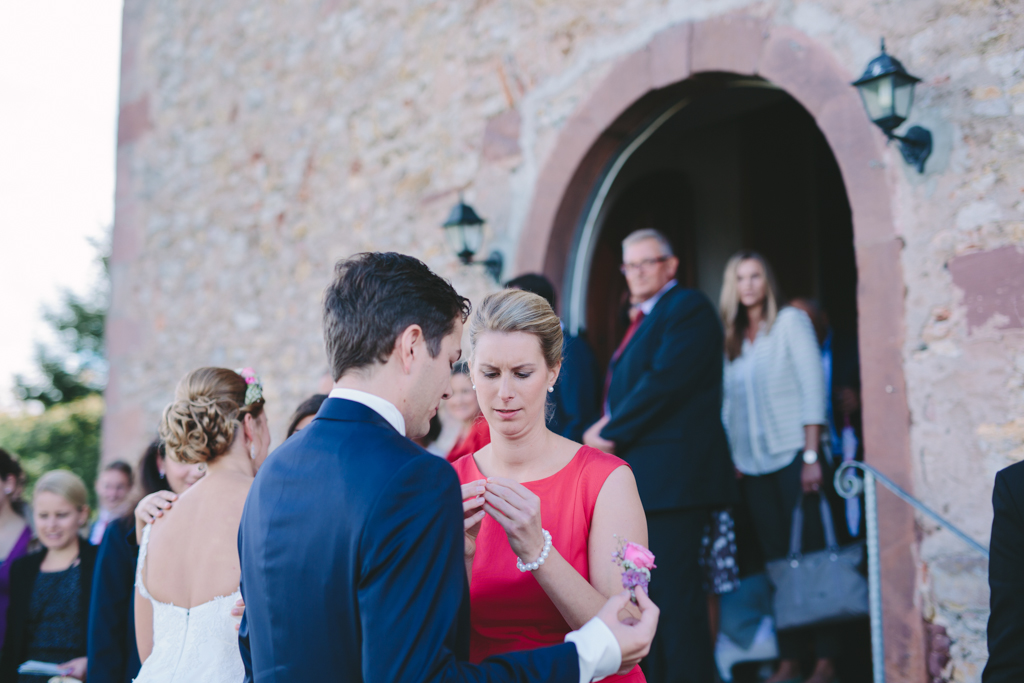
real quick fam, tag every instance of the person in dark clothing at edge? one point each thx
(1006, 579)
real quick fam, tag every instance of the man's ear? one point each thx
(408, 345)
(673, 265)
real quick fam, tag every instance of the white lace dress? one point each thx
(198, 645)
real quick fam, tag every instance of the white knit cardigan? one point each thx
(789, 383)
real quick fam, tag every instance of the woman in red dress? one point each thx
(543, 513)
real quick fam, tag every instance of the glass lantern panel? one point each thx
(456, 238)
(878, 98)
(903, 98)
(473, 237)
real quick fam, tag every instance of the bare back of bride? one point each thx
(188, 571)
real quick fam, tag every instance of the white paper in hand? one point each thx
(41, 668)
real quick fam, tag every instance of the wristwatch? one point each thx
(810, 457)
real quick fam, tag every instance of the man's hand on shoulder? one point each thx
(592, 437)
(634, 636)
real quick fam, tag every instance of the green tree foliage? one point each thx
(64, 436)
(71, 379)
(77, 367)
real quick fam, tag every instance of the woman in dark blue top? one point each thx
(47, 617)
(113, 654)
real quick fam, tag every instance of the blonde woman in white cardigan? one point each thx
(773, 409)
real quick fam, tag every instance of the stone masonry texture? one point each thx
(261, 141)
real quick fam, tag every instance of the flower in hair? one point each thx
(254, 386)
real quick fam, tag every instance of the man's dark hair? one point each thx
(122, 467)
(374, 297)
(535, 284)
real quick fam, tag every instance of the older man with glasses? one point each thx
(662, 414)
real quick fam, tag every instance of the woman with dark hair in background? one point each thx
(14, 531)
(305, 413)
(113, 654)
(474, 433)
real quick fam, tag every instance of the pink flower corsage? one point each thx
(636, 562)
(254, 387)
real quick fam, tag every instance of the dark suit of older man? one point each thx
(664, 403)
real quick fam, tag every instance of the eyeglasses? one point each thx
(641, 265)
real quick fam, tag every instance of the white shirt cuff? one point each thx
(597, 649)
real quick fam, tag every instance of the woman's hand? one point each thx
(76, 667)
(152, 507)
(238, 610)
(472, 514)
(517, 509)
(810, 477)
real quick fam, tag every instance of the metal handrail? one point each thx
(846, 478)
(848, 485)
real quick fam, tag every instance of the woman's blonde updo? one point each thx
(513, 310)
(209, 405)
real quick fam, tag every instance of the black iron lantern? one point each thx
(465, 231)
(887, 91)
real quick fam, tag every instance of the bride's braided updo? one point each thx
(209, 406)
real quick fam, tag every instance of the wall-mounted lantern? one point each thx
(465, 231)
(887, 91)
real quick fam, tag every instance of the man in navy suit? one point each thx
(1006, 579)
(664, 417)
(351, 542)
(576, 399)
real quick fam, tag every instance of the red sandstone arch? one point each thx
(807, 71)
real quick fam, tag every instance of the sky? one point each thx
(59, 70)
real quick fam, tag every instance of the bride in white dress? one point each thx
(188, 571)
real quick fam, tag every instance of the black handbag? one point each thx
(822, 586)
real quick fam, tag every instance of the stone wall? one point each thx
(259, 142)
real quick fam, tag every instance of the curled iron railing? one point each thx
(849, 485)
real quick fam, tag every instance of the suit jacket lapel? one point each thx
(648, 324)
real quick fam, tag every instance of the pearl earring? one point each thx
(474, 387)
(252, 451)
(551, 389)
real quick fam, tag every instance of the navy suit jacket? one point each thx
(576, 400)
(665, 400)
(351, 546)
(1006, 579)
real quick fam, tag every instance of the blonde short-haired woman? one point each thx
(773, 409)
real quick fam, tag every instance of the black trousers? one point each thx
(681, 651)
(771, 499)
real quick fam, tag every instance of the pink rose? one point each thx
(641, 557)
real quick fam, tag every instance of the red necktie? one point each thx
(636, 317)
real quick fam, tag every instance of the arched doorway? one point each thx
(735, 163)
(638, 95)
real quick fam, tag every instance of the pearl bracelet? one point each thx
(535, 565)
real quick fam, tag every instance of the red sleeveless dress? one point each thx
(509, 610)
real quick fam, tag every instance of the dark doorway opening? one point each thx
(741, 164)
